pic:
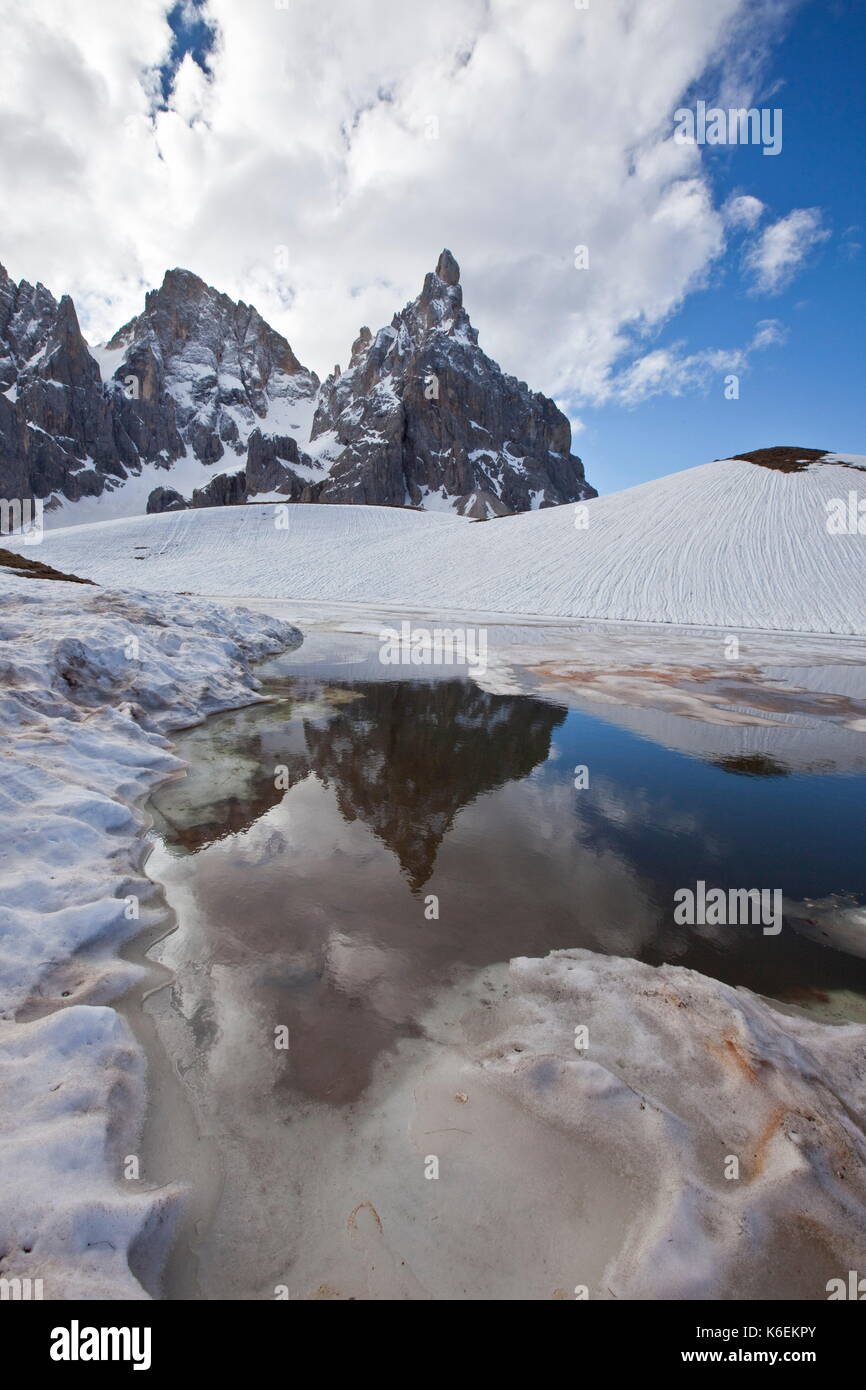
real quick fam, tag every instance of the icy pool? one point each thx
(341, 858)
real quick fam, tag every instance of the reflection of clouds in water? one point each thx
(316, 900)
(559, 873)
(382, 978)
(275, 845)
(793, 742)
(640, 807)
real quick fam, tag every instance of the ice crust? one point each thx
(90, 683)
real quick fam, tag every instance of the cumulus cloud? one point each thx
(319, 158)
(743, 211)
(783, 248)
(673, 371)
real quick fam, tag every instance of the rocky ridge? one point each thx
(421, 417)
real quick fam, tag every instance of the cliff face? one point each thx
(193, 376)
(58, 430)
(421, 417)
(208, 371)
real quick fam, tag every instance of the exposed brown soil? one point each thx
(765, 1139)
(784, 458)
(730, 1054)
(26, 568)
(675, 676)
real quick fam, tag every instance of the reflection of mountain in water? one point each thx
(231, 781)
(412, 755)
(402, 757)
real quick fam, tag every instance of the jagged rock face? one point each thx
(195, 373)
(423, 417)
(58, 431)
(226, 490)
(276, 464)
(211, 367)
(272, 461)
(166, 499)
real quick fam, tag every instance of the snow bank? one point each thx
(89, 683)
(729, 543)
(73, 1094)
(700, 1145)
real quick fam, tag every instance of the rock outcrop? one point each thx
(59, 430)
(194, 375)
(211, 369)
(421, 417)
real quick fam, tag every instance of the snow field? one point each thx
(726, 544)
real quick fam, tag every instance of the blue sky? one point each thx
(193, 35)
(812, 390)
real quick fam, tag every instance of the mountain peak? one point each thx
(186, 279)
(423, 418)
(447, 268)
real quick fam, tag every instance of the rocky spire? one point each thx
(447, 268)
(422, 417)
(58, 433)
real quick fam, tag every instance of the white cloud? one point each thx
(768, 333)
(743, 211)
(554, 129)
(783, 248)
(672, 371)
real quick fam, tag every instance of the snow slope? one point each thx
(91, 682)
(729, 543)
(271, 549)
(130, 498)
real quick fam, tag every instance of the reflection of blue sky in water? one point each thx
(677, 817)
(398, 790)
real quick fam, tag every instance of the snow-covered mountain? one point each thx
(423, 416)
(198, 402)
(61, 433)
(212, 368)
(752, 542)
